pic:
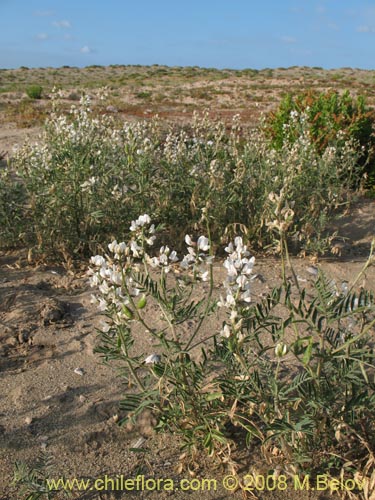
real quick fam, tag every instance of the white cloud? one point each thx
(320, 9)
(62, 24)
(297, 10)
(365, 29)
(333, 26)
(86, 50)
(42, 36)
(288, 39)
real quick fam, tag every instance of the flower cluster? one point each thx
(239, 272)
(110, 273)
(165, 259)
(198, 257)
(239, 266)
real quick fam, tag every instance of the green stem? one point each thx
(124, 351)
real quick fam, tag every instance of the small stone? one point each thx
(79, 371)
(312, 270)
(28, 420)
(82, 398)
(115, 418)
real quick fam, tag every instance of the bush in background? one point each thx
(88, 178)
(331, 118)
(34, 91)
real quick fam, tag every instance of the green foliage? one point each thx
(294, 372)
(34, 91)
(32, 482)
(87, 179)
(12, 201)
(331, 118)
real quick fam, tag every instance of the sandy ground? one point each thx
(56, 395)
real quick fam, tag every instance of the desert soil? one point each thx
(57, 395)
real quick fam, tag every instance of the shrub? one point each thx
(34, 91)
(292, 373)
(12, 200)
(87, 179)
(331, 118)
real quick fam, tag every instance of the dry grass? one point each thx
(174, 92)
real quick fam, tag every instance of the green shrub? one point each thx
(34, 91)
(87, 179)
(331, 118)
(13, 198)
(293, 374)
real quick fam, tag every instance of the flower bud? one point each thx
(128, 312)
(281, 350)
(142, 302)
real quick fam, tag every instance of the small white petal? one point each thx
(188, 240)
(225, 332)
(203, 243)
(152, 359)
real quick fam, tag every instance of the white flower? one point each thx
(102, 304)
(281, 349)
(111, 246)
(116, 277)
(104, 326)
(140, 222)
(230, 267)
(104, 288)
(228, 302)
(187, 261)
(173, 256)
(152, 359)
(246, 296)
(144, 219)
(203, 243)
(229, 248)
(239, 269)
(135, 248)
(87, 185)
(97, 260)
(204, 276)
(189, 241)
(150, 240)
(225, 332)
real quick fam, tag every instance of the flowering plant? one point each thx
(283, 371)
(88, 177)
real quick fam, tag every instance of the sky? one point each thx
(208, 33)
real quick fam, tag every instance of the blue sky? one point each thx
(208, 33)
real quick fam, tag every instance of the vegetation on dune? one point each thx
(34, 91)
(291, 375)
(331, 118)
(88, 178)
